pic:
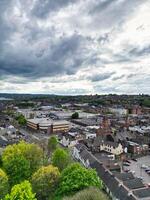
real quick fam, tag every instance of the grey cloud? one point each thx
(63, 57)
(42, 8)
(112, 13)
(122, 57)
(100, 77)
(118, 77)
(101, 6)
(137, 51)
(104, 38)
(5, 28)
(32, 48)
(131, 75)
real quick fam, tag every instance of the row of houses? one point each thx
(119, 186)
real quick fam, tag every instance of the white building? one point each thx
(111, 147)
(119, 111)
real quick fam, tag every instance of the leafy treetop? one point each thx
(22, 191)
(45, 181)
(75, 178)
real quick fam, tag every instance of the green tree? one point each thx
(75, 178)
(21, 120)
(33, 153)
(17, 168)
(75, 115)
(44, 181)
(21, 160)
(22, 191)
(88, 194)
(4, 186)
(52, 144)
(146, 102)
(61, 158)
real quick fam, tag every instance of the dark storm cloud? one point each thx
(63, 57)
(42, 8)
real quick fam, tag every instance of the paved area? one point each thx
(135, 167)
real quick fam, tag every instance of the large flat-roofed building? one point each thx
(59, 126)
(39, 123)
(49, 125)
(67, 114)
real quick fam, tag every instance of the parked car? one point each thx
(140, 177)
(134, 159)
(126, 164)
(126, 170)
(128, 161)
(144, 166)
(133, 172)
(148, 169)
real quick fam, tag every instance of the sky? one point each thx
(75, 47)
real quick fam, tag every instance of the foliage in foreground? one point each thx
(75, 178)
(23, 162)
(3, 184)
(20, 161)
(88, 194)
(61, 158)
(44, 181)
(22, 191)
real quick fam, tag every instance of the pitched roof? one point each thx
(123, 186)
(124, 176)
(143, 193)
(134, 183)
(118, 190)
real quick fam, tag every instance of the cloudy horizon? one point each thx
(75, 47)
